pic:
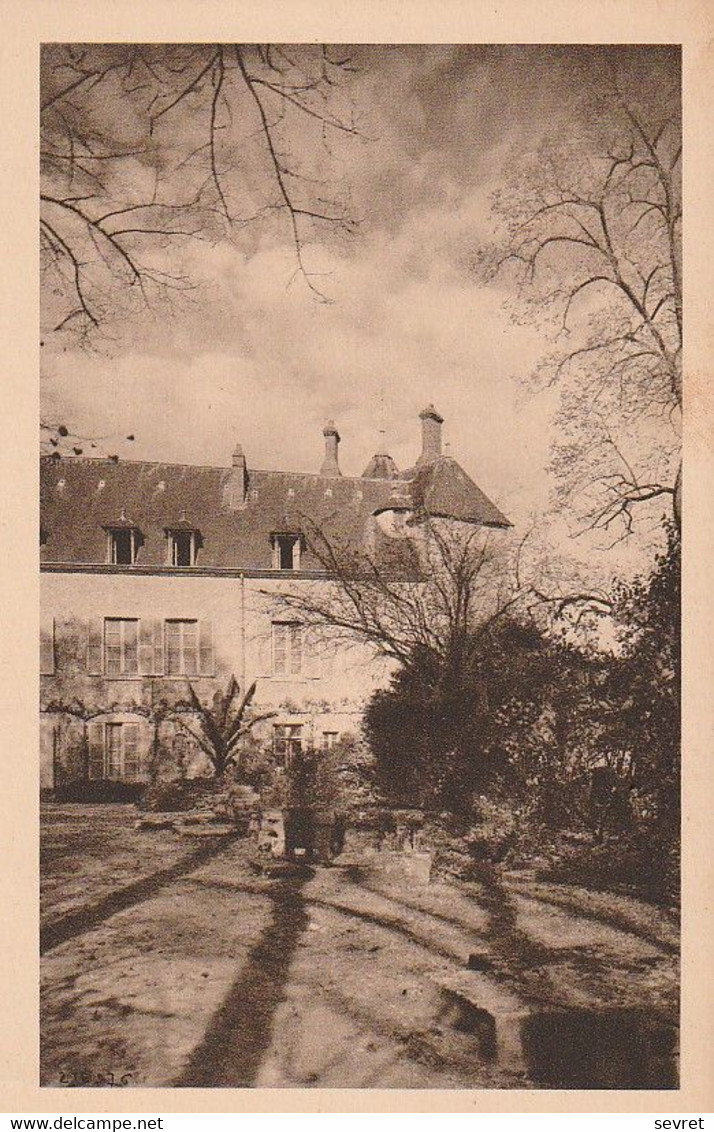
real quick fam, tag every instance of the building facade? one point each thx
(156, 575)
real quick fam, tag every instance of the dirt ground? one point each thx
(169, 961)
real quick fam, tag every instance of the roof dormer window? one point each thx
(123, 544)
(183, 544)
(287, 547)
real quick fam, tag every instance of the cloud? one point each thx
(252, 357)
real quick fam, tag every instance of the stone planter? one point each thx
(310, 834)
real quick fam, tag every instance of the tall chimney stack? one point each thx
(236, 489)
(330, 465)
(431, 423)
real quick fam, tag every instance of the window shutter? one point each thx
(146, 647)
(95, 736)
(173, 648)
(145, 748)
(47, 646)
(297, 660)
(260, 653)
(95, 633)
(157, 629)
(206, 665)
(132, 752)
(311, 654)
(280, 649)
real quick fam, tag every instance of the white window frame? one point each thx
(124, 668)
(330, 739)
(183, 622)
(172, 547)
(296, 546)
(112, 532)
(122, 730)
(288, 739)
(287, 648)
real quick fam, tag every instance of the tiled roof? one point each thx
(81, 497)
(442, 489)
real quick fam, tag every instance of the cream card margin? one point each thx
(26, 25)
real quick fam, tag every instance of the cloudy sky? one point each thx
(254, 358)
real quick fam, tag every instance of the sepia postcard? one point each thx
(366, 765)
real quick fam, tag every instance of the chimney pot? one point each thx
(330, 465)
(236, 488)
(431, 423)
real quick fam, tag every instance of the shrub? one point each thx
(98, 790)
(312, 781)
(494, 830)
(178, 796)
(632, 862)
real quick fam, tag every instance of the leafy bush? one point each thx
(494, 830)
(98, 790)
(442, 735)
(312, 781)
(178, 796)
(646, 865)
(221, 726)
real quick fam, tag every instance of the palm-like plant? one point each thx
(222, 725)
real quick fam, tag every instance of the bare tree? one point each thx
(57, 440)
(146, 147)
(593, 242)
(433, 596)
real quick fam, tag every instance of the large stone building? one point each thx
(156, 574)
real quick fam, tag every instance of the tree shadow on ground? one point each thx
(389, 923)
(89, 915)
(361, 877)
(569, 902)
(239, 1034)
(517, 958)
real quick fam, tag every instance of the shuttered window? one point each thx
(121, 646)
(287, 648)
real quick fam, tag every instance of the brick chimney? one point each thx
(330, 465)
(236, 489)
(431, 423)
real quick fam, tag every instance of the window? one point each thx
(286, 551)
(287, 741)
(116, 754)
(123, 544)
(121, 652)
(182, 648)
(329, 739)
(287, 648)
(183, 546)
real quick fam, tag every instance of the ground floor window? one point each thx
(329, 739)
(114, 751)
(287, 741)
